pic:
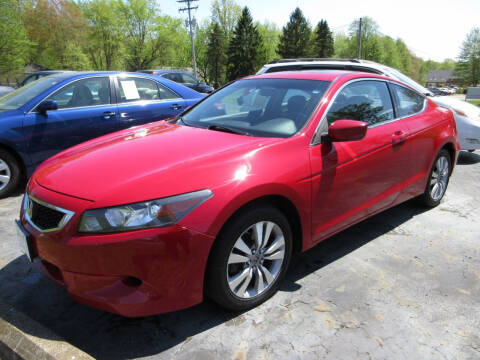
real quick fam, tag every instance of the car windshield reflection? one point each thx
(260, 107)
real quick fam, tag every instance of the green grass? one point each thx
(475, 102)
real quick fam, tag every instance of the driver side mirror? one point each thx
(47, 105)
(345, 130)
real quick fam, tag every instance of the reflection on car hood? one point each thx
(147, 162)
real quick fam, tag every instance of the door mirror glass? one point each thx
(47, 105)
(347, 130)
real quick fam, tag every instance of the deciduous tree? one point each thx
(468, 68)
(14, 44)
(57, 29)
(105, 38)
(226, 13)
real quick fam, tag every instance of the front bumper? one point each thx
(133, 274)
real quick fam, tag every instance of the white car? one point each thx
(467, 116)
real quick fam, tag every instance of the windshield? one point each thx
(259, 107)
(21, 96)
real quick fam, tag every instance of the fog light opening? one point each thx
(131, 281)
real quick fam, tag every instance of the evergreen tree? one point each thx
(295, 38)
(468, 68)
(245, 48)
(323, 40)
(215, 55)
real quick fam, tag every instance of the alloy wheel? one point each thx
(256, 260)
(439, 178)
(5, 174)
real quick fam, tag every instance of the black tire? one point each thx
(13, 170)
(217, 285)
(427, 198)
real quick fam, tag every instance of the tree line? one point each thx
(134, 34)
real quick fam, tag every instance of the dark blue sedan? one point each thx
(59, 111)
(181, 77)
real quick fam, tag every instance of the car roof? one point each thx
(47, 72)
(307, 61)
(325, 75)
(167, 71)
(304, 64)
(80, 74)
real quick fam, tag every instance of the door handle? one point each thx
(399, 137)
(108, 114)
(176, 107)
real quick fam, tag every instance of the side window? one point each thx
(85, 92)
(177, 77)
(409, 102)
(30, 79)
(166, 93)
(188, 79)
(367, 101)
(135, 89)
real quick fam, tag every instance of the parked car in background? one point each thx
(437, 91)
(37, 75)
(468, 125)
(58, 111)
(4, 90)
(137, 230)
(181, 77)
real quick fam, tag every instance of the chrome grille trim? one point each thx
(27, 211)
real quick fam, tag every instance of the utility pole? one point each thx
(359, 40)
(190, 23)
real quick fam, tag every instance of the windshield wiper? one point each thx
(227, 130)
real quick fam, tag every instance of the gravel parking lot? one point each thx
(404, 284)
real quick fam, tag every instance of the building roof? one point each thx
(440, 76)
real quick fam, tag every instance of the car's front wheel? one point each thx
(249, 258)
(9, 173)
(438, 180)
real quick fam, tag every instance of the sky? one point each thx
(432, 29)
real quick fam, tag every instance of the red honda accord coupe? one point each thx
(216, 202)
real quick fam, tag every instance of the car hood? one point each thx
(472, 111)
(7, 113)
(144, 163)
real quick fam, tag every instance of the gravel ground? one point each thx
(404, 284)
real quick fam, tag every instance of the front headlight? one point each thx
(142, 215)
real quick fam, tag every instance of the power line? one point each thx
(191, 23)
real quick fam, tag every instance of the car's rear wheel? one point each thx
(249, 258)
(9, 173)
(438, 180)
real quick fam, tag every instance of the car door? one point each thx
(143, 100)
(351, 180)
(85, 111)
(424, 126)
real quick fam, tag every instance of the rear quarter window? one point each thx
(408, 101)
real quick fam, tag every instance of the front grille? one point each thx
(45, 217)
